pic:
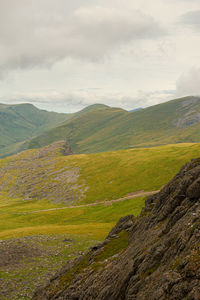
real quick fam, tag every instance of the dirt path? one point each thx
(129, 196)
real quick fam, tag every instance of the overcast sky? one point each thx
(63, 55)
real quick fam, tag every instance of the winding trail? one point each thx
(129, 196)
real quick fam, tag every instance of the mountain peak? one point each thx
(97, 106)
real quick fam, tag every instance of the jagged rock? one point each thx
(123, 224)
(155, 256)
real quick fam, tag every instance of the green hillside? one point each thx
(43, 192)
(83, 132)
(45, 179)
(176, 121)
(22, 122)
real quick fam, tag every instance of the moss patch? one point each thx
(150, 271)
(113, 247)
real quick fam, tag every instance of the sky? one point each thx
(64, 55)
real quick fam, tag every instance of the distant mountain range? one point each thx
(99, 128)
(135, 109)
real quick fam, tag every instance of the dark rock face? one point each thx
(155, 256)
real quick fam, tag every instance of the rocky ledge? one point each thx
(154, 256)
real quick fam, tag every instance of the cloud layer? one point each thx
(77, 100)
(37, 34)
(191, 18)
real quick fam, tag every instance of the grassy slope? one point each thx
(113, 129)
(79, 129)
(22, 121)
(106, 175)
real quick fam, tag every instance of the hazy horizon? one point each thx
(77, 110)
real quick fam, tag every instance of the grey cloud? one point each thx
(188, 83)
(146, 99)
(191, 18)
(37, 34)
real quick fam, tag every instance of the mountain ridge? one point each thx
(100, 128)
(20, 122)
(175, 121)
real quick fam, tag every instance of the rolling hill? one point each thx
(50, 177)
(54, 205)
(176, 121)
(22, 122)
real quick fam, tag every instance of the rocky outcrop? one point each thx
(154, 256)
(43, 174)
(188, 113)
(57, 148)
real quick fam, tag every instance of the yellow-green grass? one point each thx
(111, 175)
(94, 231)
(107, 176)
(93, 221)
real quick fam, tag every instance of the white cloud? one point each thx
(73, 101)
(37, 35)
(145, 98)
(64, 102)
